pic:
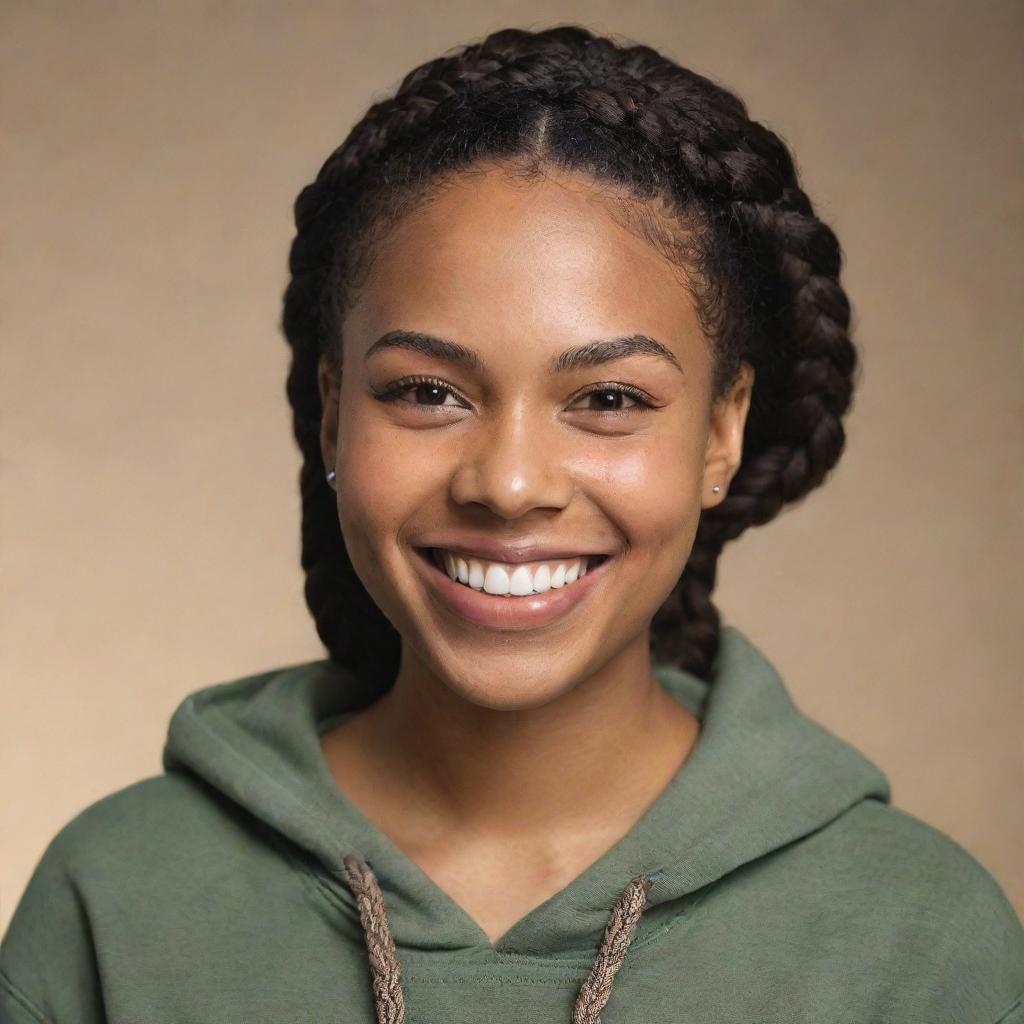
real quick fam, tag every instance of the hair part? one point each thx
(685, 168)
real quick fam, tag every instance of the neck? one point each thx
(423, 760)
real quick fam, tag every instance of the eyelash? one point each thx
(394, 391)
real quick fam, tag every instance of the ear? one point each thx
(329, 385)
(725, 437)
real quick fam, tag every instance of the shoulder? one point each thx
(161, 835)
(903, 922)
(48, 948)
(917, 861)
(163, 825)
(116, 837)
(927, 901)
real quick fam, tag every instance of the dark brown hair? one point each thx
(762, 269)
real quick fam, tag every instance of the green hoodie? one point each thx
(771, 881)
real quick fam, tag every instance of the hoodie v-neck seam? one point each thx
(490, 957)
(542, 961)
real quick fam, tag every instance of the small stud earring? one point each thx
(715, 489)
(331, 474)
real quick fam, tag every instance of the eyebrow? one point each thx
(593, 353)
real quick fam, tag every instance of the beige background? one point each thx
(150, 510)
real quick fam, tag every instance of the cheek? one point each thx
(377, 480)
(382, 482)
(653, 496)
(653, 493)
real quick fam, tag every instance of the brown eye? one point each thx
(432, 392)
(610, 399)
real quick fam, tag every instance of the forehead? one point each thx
(494, 258)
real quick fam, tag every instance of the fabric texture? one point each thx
(771, 881)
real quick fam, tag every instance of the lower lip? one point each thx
(499, 611)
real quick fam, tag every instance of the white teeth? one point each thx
(520, 583)
(495, 580)
(515, 581)
(542, 579)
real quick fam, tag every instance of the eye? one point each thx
(611, 396)
(433, 392)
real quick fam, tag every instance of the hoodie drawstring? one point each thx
(385, 968)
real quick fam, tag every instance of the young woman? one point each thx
(563, 324)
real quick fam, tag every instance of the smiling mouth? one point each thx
(498, 579)
(490, 596)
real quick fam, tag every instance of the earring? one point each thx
(715, 489)
(330, 476)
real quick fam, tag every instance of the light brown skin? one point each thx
(505, 764)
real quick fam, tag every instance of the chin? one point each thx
(506, 681)
(511, 695)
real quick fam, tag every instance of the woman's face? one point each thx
(516, 442)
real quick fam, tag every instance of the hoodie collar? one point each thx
(760, 775)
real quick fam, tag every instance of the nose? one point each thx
(513, 464)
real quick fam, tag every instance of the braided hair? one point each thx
(761, 267)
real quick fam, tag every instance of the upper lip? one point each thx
(495, 551)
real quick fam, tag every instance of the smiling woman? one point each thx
(563, 323)
(492, 380)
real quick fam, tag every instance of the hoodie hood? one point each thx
(761, 775)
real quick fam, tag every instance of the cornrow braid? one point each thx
(763, 271)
